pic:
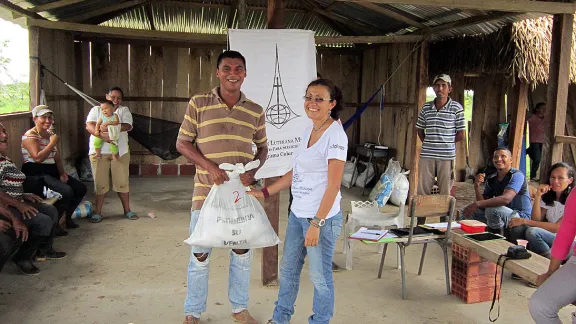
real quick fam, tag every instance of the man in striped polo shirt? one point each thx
(440, 125)
(220, 127)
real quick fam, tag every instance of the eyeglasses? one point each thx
(317, 99)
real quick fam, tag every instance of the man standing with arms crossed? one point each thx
(440, 125)
(220, 127)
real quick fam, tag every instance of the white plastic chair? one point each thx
(367, 213)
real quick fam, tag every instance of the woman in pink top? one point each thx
(536, 131)
(558, 285)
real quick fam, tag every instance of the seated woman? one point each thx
(41, 158)
(39, 218)
(548, 210)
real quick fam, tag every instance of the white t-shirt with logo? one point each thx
(310, 170)
(125, 118)
(553, 213)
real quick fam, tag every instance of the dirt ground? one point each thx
(122, 271)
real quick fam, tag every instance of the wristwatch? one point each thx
(319, 221)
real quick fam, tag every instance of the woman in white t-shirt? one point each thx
(315, 219)
(548, 209)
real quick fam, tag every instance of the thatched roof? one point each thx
(532, 40)
(521, 49)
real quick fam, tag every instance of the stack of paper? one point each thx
(365, 234)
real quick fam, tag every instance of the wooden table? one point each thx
(528, 269)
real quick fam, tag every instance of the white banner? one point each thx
(279, 65)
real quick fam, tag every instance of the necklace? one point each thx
(319, 128)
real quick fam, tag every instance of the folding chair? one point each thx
(425, 206)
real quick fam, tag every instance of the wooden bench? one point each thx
(528, 269)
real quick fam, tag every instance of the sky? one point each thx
(17, 51)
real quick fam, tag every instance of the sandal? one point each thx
(131, 215)
(95, 218)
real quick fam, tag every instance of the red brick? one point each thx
(473, 269)
(472, 296)
(169, 169)
(134, 169)
(474, 282)
(187, 169)
(465, 254)
(147, 170)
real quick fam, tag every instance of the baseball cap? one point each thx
(443, 77)
(41, 110)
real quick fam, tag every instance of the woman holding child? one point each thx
(315, 219)
(105, 157)
(42, 159)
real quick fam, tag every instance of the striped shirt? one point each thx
(11, 178)
(440, 127)
(221, 134)
(43, 142)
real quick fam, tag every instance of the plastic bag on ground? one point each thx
(401, 188)
(386, 180)
(366, 176)
(230, 218)
(350, 175)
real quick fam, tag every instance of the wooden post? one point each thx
(557, 94)
(519, 100)
(34, 52)
(242, 14)
(421, 86)
(272, 204)
(457, 95)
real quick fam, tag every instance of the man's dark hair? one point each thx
(503, 148)
(232, 55)
(115, 89)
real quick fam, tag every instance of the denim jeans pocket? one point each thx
(336, 227)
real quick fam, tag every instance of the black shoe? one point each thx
(515, 277)
(70, 224)
(60, 232)
(335, 267)
(49, 255)
(27, 267)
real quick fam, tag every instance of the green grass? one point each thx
(14, 97)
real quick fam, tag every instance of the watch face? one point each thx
(321, 222)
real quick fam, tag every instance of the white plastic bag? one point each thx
(401, 188)
(386, 180)
(230, 218)
(366, 176)
(350, 175)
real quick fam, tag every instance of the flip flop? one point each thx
(95, 218)
(131, 215)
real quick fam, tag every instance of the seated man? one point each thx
(505, 196)
(14, 239)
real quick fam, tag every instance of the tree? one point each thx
(14, 94)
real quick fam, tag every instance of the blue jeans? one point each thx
(238, 278)
(494, 217)
(540, 240)
(320, 269)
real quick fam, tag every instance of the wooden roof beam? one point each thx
(341, 28)
(488, 5)
(107, 10)
(19, 11)
(348, 22)
(392, 14)
(150, 16)
(153, 35)
(53, 5)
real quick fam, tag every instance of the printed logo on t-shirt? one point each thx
(336, 146)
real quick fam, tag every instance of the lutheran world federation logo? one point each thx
(278, 112)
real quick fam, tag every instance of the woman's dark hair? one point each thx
(335, 94)
(116, 89)
(549, 197)
(109, 102)
(537, 107)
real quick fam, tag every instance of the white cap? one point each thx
(41, 110)
(443, 77)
